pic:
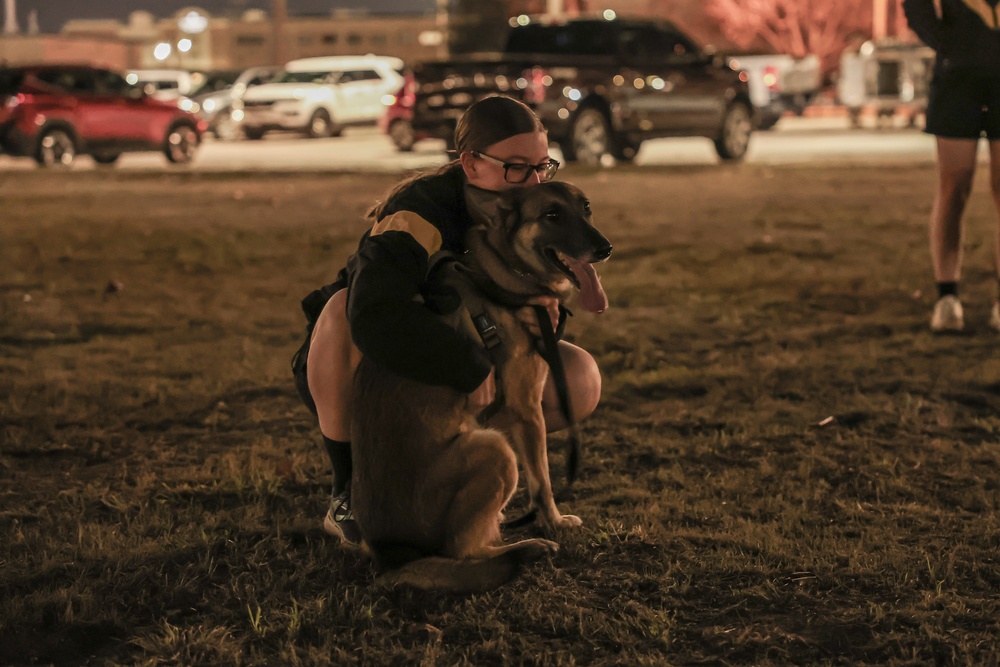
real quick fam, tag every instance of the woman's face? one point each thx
(529, 148)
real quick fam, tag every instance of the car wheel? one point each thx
(181, 143)
(625, 150)
(589, 138)
(767, 121)
(320, 125)
(106, 157)
(402, 136)
(56, 148)
(254, 133)
(737, 126)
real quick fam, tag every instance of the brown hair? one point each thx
(487, 122)
(491, 120)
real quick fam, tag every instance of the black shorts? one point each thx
(299, 373)
(964, 105)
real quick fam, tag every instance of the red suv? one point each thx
(55, 112)
(397, 121)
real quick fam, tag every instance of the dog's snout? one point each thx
(602, 252)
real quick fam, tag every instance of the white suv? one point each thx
(321, 96)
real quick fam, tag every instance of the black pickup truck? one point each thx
(601, 87)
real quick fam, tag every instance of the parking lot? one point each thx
(794, 140)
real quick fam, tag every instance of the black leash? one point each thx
(548, 348)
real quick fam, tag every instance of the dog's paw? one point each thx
(561, 521)
(538, 548)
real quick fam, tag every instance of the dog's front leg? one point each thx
(527, 436)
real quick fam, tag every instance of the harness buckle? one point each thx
(487, 330)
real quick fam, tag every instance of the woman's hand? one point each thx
(526, 314)
(485, 393)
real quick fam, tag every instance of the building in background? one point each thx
(22, 49)
(193, 39)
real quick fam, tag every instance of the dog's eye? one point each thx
(586, 205)
(553, 213)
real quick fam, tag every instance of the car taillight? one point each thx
(407, 95)
(535, 82)
(771, 77)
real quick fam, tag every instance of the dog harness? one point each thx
(446, 270)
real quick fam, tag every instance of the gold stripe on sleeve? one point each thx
(426, 234)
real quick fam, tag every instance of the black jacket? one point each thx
(388, 273)
(966, 36)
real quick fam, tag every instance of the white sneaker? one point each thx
(995, 316)
(948, 315)
(339, 520)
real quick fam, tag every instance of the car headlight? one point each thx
(208, 105)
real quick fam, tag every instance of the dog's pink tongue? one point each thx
(592, 296)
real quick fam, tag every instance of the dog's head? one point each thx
(545, 231)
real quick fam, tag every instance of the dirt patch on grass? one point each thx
(786, 467)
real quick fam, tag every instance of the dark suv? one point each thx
(55, 112)
(601, 86)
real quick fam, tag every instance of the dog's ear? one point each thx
(489, 208)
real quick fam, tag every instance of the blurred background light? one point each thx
(161, 51)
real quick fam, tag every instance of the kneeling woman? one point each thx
(501, 144)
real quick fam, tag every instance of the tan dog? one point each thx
(430, 481)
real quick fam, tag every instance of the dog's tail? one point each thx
(467, 576)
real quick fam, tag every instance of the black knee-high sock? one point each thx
(947, 288)
(340, 458)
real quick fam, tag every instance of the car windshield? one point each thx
(302, 77)
(10, 81)
(214, 82)
(160, 84)
(571, 39)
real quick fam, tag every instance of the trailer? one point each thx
(888, 77)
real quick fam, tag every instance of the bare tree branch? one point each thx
(796, 27)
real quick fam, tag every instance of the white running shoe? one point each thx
(948, 315)
(995, 316)
(339, 520)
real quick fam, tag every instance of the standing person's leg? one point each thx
(995, 182)
(995, 190)
(956, 169)
(331, 363)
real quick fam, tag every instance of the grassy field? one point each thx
(786, 468)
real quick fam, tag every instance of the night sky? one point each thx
(52, 14)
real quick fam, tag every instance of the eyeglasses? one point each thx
(520, 172)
